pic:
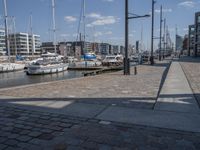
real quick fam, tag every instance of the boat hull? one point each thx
(11, 67)
(38, 70)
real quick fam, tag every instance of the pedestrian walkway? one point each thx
(176, 94)
(176, 107)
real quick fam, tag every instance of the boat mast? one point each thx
(84, 49)
(54, 25)
(141, 44)
(6, 30)
(31, 28)
(14, 32)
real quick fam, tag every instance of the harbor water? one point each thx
(18, 78)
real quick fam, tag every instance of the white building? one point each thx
(2, 41)
(24, 44)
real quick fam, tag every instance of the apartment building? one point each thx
(2, 41)
(194, 37)
(24, 44)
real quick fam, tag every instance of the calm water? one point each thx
(20, 78)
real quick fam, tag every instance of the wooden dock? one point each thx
(103, 70)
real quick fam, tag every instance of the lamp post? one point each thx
(126, 61)
(127, 17)
(152, 34)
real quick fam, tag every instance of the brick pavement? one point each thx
(31, 130)
(191, 68)
(138, 91)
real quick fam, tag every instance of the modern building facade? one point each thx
(191, 40)
(24, 44)
(66, 48)
(179, 43)
(34, 44)
(2, 41)
(104, 48)
(49, 47)
(194, 37)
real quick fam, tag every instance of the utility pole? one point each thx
(126, 61)
(152, 34)
(160, 51)
(6, 30)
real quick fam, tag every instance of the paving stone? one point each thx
(46, 136)
(34, 134)
(74, 148)
(36, 141)
(2, 146)
(24, 138)
(25, 132)
(89, 145)
(57, 133)
(60, 146)
(46, 130)
(11, 142)
(65, 125)
(73, 141)
(13, 136)
(12, 148)
(3, 139)
(23, 145)
(7, 128)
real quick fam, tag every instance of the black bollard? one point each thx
(135, 70)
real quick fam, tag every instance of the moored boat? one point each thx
(49, 63)
(113, 60)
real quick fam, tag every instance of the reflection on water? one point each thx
(20, 78)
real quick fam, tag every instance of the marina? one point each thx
(12, 79)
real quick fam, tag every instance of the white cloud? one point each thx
(100, 20)
(108, 0)
(75, 35)
(64, 35)
(164, 10)
(102, 33)
(98, 34)
(130, 35)
(108, 33)
(103, 20)
(187, 4)
(94, 15)
(70, 19)
(185, 29)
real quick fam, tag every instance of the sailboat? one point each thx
(88, 59)
(49, 62)
(8, 67)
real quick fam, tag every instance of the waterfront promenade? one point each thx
(153, 110)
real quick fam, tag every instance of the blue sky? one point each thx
(104, 21)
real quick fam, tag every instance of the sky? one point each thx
(104, 18)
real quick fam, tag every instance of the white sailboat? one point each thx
(88, 59)
(49, 62)
(8, 67)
